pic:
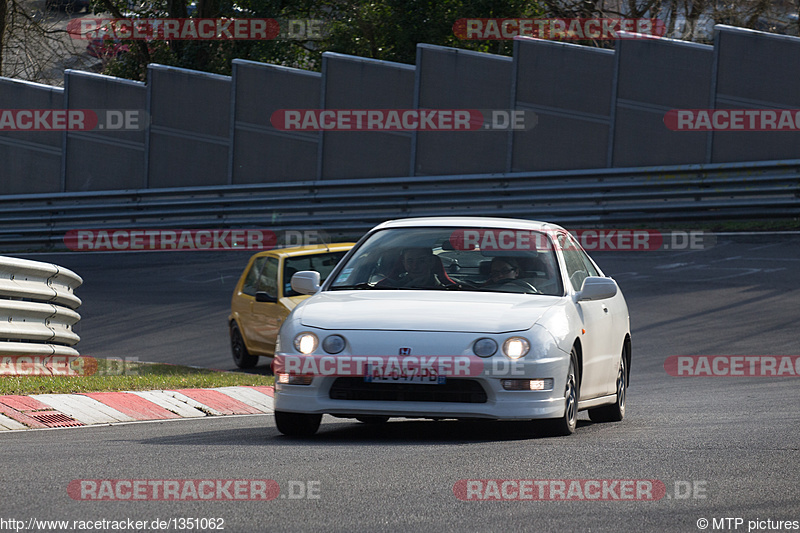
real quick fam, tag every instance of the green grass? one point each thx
(111, 375)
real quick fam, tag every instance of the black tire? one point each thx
(616, 411)
(241, 356)
(561, 427)
(376, 419)
(297, 424)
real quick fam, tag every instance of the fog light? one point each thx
(528, 384)
(541, 384)
(292, 379)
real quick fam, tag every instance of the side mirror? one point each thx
(306, 282)
(597, 288)
(264, 297)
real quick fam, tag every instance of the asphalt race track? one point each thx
(723, 447)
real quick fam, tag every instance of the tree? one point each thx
(34, 44)
(388, 30)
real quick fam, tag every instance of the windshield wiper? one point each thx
(357, 286)
(363, 286)
(462, 286)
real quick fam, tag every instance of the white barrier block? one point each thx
(30, 348)
(83, 408)
(251, 397)
(7, 423)
(194, 403)
(170, 403)
(37, 302)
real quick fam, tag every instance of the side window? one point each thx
(576, 269)
(251, 280)
(589, 265)
(268, 280)
(289, 270)
(322, 263)
(585, 258)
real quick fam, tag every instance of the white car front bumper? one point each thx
(484, 397)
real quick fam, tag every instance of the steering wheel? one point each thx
(522, 284)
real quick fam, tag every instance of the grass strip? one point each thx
(117, 375)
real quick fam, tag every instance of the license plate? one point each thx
(398, 375)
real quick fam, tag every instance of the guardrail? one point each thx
(37, 308)
(589, 197)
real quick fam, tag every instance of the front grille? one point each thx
(453, 390)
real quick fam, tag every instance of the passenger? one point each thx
(420, 270)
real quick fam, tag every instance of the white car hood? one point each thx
(478, 312)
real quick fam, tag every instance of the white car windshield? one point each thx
(472, 259)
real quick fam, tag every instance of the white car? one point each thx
(456, 317)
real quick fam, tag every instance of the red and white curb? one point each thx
(39, 411)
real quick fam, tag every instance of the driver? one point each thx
(419, 270)
(503, 269)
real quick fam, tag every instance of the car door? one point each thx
(268, 315)
(242, 305)
(597, 322)
(613, 312)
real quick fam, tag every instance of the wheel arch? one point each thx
(579, 352)
(626, 347)
(233, 322)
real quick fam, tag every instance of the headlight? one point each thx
(516, 347)
(484, 347)
(306, 343)
(333, 344)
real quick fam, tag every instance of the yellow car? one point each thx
(263, 297)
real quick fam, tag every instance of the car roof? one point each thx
(309, 249)
(469, 222)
